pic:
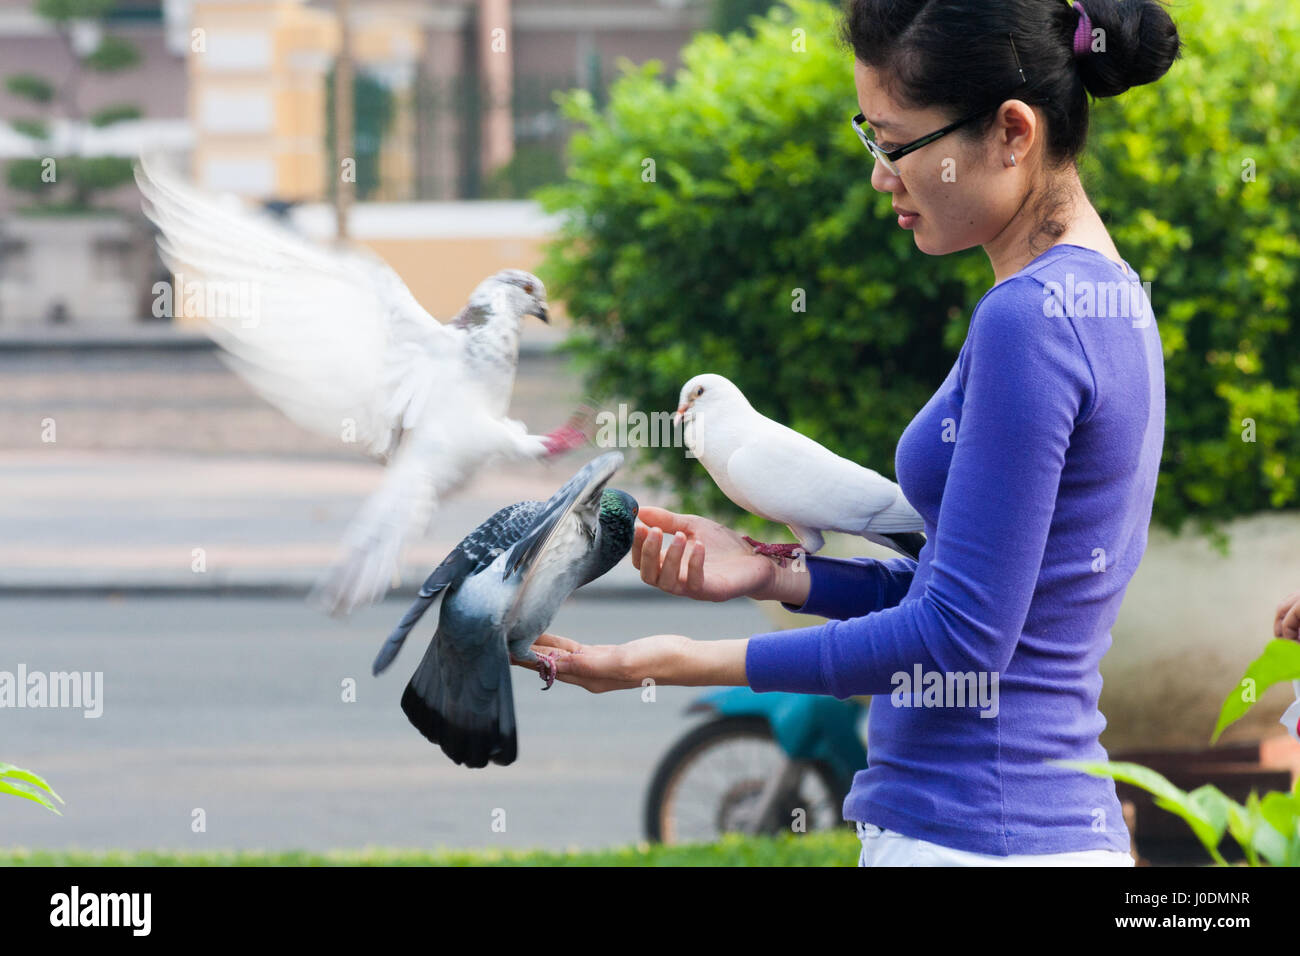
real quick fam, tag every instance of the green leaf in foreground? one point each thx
(1279, 662)
(1205, 810)
(29, 786)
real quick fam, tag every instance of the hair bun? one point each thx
(1137, 45)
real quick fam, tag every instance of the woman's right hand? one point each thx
(708, 562)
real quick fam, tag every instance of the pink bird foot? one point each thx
(787, 551)
(565, 438)
(546, 667)
(574, 433)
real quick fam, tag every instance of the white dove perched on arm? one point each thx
(338, 343)
(776, 473)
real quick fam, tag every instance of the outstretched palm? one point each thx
(705, 561)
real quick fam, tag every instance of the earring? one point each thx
(1013, 160)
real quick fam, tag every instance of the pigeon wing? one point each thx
(787, 477)
(580, 498)
(476, 551)
(335, 340)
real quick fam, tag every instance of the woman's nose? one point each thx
(882, 180)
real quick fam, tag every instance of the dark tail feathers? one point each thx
(466, 707)
(909, 543)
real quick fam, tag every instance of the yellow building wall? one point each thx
(441, 273)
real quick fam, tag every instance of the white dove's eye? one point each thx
(528, 287)
(699, 391)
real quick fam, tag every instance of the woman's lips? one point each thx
(906, 219)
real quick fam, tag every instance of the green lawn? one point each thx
(839, 848)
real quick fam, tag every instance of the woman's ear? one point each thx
(1016, 131)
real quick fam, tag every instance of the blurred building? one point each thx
(453, 101)
(454, 98)
(77, 267)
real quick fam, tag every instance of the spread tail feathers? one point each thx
(467, 710)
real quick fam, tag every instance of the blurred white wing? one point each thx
(335, 340)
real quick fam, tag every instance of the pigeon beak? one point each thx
(542, 314)
(679, 414)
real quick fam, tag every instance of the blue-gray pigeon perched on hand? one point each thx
(499, 590)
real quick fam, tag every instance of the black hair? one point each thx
(956, 54)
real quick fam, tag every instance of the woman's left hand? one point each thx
(604, 667)
(661, 659)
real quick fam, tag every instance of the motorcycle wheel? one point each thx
(818, 793)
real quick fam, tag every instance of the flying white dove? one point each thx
(338, 343)
(776, 473)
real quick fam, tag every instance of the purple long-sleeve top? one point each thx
(1034, 468)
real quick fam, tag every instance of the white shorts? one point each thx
(887, 848)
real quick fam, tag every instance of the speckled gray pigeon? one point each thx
(499, 590)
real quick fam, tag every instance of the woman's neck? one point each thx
(1010, 251)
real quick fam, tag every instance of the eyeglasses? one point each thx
(890, 157)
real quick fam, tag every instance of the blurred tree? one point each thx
(728, 15)
(372, 104)
(69, 183)
(726, 222)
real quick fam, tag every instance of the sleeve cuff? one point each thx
(830, 580)
(786, 661)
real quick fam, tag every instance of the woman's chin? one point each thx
(931, 246)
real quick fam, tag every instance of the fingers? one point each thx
(1290, 627)
(598, 671)
(663, 519)
(650, 561)
(638, 540)
(670, 574)
(563, 643)
(695, 569)
(1282, 610)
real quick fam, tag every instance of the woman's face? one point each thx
(956, 192)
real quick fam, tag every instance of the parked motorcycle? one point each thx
(762, 764)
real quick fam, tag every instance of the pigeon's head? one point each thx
(523, 291)
(617, 523)
(705, 392)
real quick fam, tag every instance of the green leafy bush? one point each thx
(760, 188)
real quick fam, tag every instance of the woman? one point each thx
(1034, 464)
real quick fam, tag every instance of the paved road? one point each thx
(157, 454)
(234, 706)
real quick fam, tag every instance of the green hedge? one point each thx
(760, 188)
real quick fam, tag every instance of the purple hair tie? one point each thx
(1082, 33)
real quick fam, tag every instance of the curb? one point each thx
(272, 589)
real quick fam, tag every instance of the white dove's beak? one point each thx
(677, 415)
